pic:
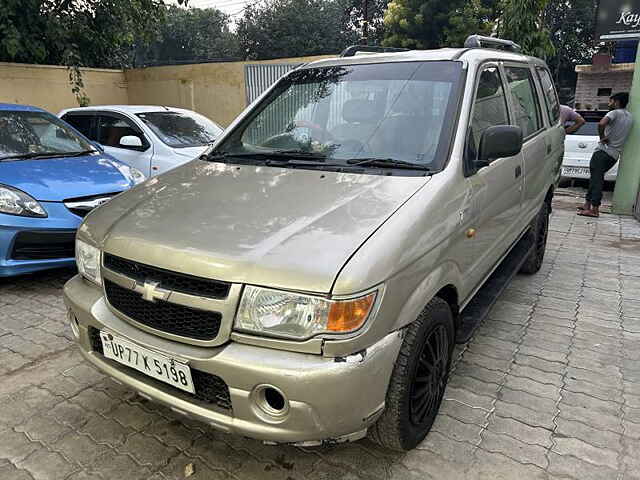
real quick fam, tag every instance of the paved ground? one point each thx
(549, 387)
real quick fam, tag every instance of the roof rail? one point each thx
(478, 41)
(353, 49)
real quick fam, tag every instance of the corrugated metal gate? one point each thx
(259, 77)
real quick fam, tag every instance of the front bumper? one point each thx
(59, 224)
(329, 399)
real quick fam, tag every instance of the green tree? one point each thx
(522, 21)
(375, 13)
(191, 35)
(572, 29)
(291, 28)
(475, 17)
(90, 33)
(419, 23)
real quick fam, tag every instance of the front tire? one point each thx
(418, 380)
(539, 230)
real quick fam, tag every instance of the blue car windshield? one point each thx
(26, 134)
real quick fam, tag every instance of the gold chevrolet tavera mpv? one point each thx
(305, 280)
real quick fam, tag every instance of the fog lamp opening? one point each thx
(270, 402)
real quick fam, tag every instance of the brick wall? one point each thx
(589, 82)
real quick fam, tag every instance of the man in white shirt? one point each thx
(614, 130)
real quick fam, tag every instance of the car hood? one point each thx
(277, 227)
(56, 179)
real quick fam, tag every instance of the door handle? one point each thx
(549, 149)
(518, 171)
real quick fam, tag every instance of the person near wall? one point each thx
(571, 120)
(614, 129)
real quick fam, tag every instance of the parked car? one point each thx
(153, 139)
(304, 282)
(51, 177)
(579, 147)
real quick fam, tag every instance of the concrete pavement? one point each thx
(549, 387)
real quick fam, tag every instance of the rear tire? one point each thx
(418, 380)
(539, 230)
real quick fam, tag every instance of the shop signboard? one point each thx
(618, 19)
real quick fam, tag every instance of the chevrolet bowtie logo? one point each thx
(151, 292)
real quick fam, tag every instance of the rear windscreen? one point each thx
(589, 128)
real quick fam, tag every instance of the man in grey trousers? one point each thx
(613, 129)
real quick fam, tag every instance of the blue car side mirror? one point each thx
(99, 147)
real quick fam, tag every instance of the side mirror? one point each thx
(498, 142)
(130, 141)
(98, 146)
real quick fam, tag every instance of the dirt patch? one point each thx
(627, 244)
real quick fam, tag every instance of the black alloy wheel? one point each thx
(430, 378)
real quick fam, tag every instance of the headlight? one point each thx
(131, 173)
(290, 315)
(136, 175)
(16, 202)
(88, 261)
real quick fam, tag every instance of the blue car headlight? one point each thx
(16, 202)
(131, 173)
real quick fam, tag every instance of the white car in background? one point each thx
(578, 148)
(152, 139)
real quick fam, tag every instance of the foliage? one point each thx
(375, 12)
(287, 28)
(474, 17)
(418, 23)
(522, 22)
(191, 35)
(90, 33)
(571, 26)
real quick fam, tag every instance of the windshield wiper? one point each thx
(386, 162)
(284, 154)
(27, 156)
(276, 158)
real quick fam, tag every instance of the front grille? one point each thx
(209, 388)
(177, 282)
(43, 245)
(164, 316)
(81, 206)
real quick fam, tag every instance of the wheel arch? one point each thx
(443, 282)
(549, 196)
(449, 293)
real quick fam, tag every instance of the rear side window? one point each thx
(82, 123)
(489, 108)
(550, 95)
(112, 128)
(525, 102)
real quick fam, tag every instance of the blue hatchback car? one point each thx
(50, 178)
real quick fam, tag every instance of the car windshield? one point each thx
(590, 128)
(382, 115)
(26, 134)
(181, 129)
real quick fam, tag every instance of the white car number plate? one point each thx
(147, 361)
(568, 171)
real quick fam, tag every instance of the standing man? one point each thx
(613, 129)
(571, 120)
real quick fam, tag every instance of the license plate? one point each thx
(150, 363)
(568, 171)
